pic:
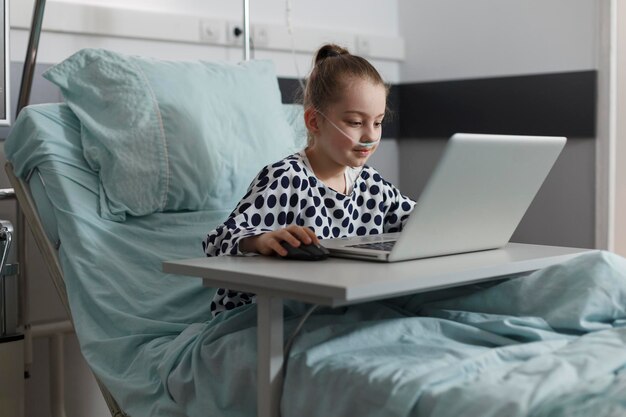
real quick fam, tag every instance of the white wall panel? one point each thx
(193, 27)
(459, 39)
(367, 16)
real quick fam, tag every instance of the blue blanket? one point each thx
(552, 343)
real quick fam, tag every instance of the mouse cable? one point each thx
(289, 344)
(295, 332)
(293, 335)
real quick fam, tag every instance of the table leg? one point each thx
(269, 355)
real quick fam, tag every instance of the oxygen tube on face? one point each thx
(356, 142)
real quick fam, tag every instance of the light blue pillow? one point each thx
(295, 118)
(171, 136)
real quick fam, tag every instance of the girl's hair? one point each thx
(333, 67)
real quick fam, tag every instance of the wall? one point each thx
(493, 40)
(620, 139)
(488, 38)
(377, 24)
(82, 395)
(446, 40)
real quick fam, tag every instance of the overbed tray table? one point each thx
(338, 282)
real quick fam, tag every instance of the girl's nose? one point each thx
(370, 134)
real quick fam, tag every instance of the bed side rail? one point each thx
(29, 209)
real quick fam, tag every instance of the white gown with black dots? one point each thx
(288, 192)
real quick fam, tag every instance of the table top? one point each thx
(337, 281)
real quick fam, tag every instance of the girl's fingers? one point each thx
(311, 234)
(301, 233)
(308, 236)
(274, 242)
(290, 236)
(275, 245)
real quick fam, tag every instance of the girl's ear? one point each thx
(311, 120)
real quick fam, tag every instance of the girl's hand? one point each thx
(269, 243)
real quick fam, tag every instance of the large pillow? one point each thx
(295, 118)
(171, 136)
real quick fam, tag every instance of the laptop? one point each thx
(473, 201)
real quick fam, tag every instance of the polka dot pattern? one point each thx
(288, 192)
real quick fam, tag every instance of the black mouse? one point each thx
(304, 252)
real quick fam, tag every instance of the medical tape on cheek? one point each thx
(356, 142)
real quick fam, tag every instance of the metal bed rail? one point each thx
(49, 252)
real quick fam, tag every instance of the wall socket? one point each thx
(260, 36)
(363, 46)
(211, 31)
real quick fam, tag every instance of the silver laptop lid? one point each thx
(478, 194)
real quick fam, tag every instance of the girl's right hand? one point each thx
(269, 243)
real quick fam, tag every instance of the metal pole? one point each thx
(57, 376)
(6, 235)
(246, 30)
(31, 57)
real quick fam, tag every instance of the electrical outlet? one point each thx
(234, 33)
(211, 31)
(260, 36)
(362, 45)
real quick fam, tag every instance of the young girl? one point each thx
(326, 190)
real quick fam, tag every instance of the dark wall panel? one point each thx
(562, 104)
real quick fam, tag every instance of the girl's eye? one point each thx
(354, 123)
(378, 124)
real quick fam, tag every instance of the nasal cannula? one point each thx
(357, 142)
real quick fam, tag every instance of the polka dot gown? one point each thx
(288, 192)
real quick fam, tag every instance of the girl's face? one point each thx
(344, 130)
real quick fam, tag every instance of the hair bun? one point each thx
(328, 51)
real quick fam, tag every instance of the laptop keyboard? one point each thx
(384, 246)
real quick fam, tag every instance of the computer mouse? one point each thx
(304, 252)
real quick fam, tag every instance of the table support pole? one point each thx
(269, 355)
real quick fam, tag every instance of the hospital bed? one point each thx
(549, 343)
(106, 211)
